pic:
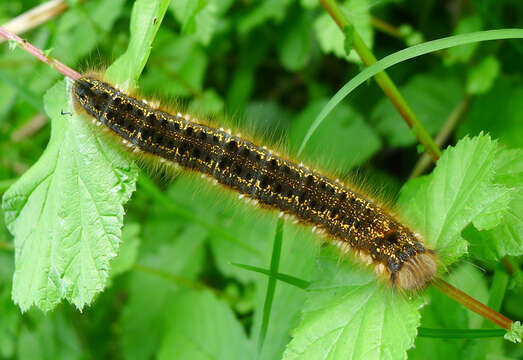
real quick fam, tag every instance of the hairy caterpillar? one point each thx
(352, 221)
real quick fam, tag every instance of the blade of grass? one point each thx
(271, 286)
(384, 81)
(289, 279)
(403, 55)
(460, 333)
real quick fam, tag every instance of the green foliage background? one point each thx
(164, 286)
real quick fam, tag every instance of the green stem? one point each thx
(472, 304)
(271, 286)
(460, 333)
(384, 81)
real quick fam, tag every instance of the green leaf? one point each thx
(460, 190)
(203, 327)
(185, 12)
(143, 317)
(185, 69)
(516, 332)
(357, 141)
(125, 260)
(464, 53)
(348, 31)
(264, 11)
(209, 104)
(145, 22)
(51, 336)
(350, 315)
(506, 238)
(482, 76)
(432, 97)
(294, 46)
(505, 103)
(66, 212)
(82, 27)
(332, 39)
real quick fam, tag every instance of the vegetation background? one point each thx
(173, 290)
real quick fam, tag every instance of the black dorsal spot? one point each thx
(309, 180)
(238, 169)
(189, 131)
(392, 238)
(196, 153)
(232, 146)
(265, 182)
(245, 152)
(273, 163)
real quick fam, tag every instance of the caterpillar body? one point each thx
(352, 221)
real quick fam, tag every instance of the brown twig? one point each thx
(451, 122)
(472, 304)
(39, 54)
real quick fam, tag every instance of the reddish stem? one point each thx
(36, 52)
(472, 304)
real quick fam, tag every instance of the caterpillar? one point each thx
(353, 222)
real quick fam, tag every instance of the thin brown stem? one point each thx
(472, 304)
(451, 122)
(39, 54)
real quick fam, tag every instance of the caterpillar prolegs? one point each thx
(352, 221)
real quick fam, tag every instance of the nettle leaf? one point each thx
(350, 315)
(332, 39)
(432, 97)
(506, 238)
(462, 189)
(128, 250)
(66, 212)
(203, 327)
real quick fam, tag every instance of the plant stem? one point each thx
(460, 333)
(39, 54)
(443, 135)
(271, 286)
(384, 81)
(472, 304)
